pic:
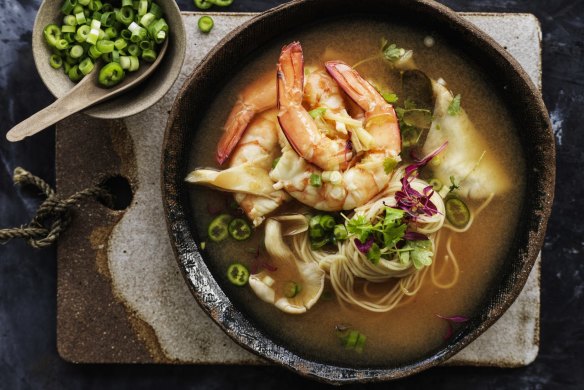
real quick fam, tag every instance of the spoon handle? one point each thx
(61, 108)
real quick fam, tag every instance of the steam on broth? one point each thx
(409, 253)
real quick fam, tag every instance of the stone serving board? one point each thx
(121, 297)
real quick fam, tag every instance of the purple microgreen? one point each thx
(415, 236)
(364, 247)
(450, 320)
(456, 319)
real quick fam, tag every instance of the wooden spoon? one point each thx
(85, 94)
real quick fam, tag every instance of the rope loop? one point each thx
(53, 215)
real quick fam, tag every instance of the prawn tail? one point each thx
(238, 120)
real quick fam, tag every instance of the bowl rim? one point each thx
(177, 32)
(235, 324)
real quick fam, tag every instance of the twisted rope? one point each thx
(53, 215)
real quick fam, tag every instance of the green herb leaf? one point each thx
(390, 97)
(315, 180)
(317, 112)
(360, 227)
(374, 254)
(421, 254)
(392, 52)
(393, 227)
(454, 106)
(389, 165)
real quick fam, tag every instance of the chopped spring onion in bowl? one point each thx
(95, 32)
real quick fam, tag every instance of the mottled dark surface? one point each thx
(28, 356)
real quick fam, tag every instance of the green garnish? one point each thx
(359, 226)
(218, 229)
(389, 165)
(238, 274)
(457, 212)
(436, 184)
(203, 4)
(239, 229)
(391, 52)
(315, 180)
(453, 185)
(275, 162)
(291, 289)
(205, 24)
(374, 253)
(317, 112)
(454, 106)
(94, 30)
(340, 232)
(390, 97)
(351, 339)
(421, 253)
(327, 222)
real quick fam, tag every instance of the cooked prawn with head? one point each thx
(334, 189)
(255, 98)
(297, 124)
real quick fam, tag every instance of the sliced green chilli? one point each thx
(239, 229)
(218, 229)
(221, 3)
(238, 274)
(205, 24)
(111, 74)
(457, 212)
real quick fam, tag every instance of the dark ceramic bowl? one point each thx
(503, 72)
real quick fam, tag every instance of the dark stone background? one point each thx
(28, 356)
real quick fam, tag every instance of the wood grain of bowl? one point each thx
(137, 99)
(514, 89)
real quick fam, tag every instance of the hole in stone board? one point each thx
(121, 191)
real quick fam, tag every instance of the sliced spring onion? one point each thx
(218, 229)
(69, 20)
(125, 15)
(315, 180)
(61, 44)
(80, 18)
(148, 55)
(86, 66)
(94, 53)
(156, 10)
(105, 46)
(111, 33)
(76, 51)
(238, 274)
(275, 162)
(55, 61)
(127, 3)
(111, 74)
(134, 50)
(291, 289)
(68, 29)
(74, 74)
(145, 45)
(340, 232)
(147, 19)
(327, 222)
(93, 36)
(239, 229)
(68, 6)
(120, 44)
(457, 212)
(126, 34)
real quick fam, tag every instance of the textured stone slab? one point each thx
(146, 313)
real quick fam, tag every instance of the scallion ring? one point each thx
(205, 24)
(203, 4)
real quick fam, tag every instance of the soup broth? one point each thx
(414, 329)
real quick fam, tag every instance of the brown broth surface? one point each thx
(412, 330)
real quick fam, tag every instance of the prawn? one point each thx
(299, 127)
(247, 175)
(335, 190)
(257, 97)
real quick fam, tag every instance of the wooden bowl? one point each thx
(138, 98)
(513, 87)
